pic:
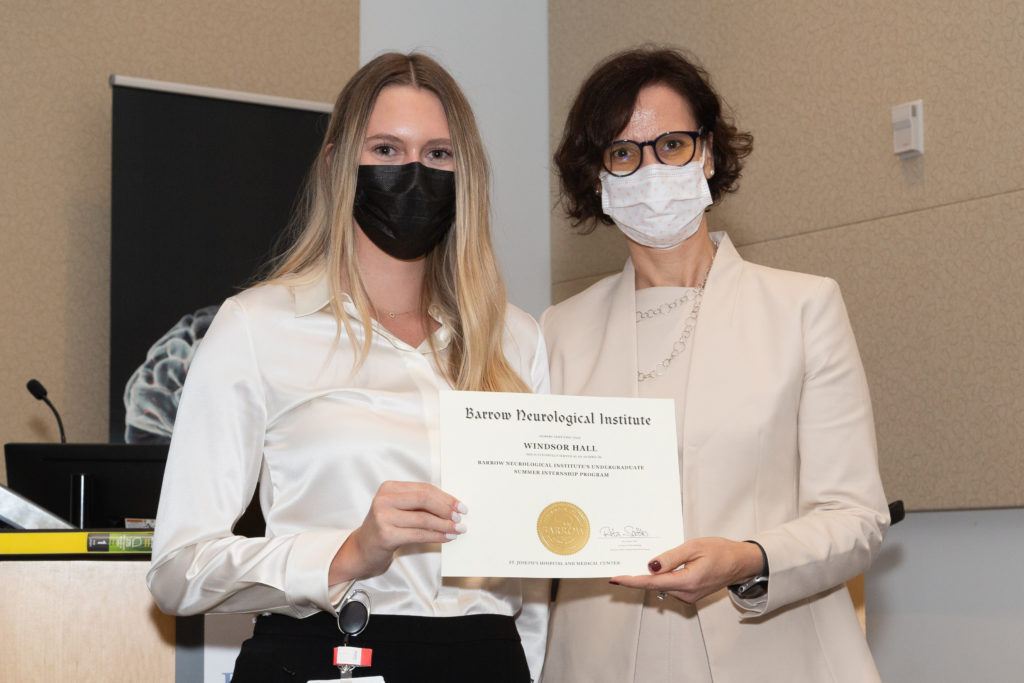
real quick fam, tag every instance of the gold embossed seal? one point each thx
(563, 528)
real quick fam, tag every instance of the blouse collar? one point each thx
(314, 294)
(311, 295)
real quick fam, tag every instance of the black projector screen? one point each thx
(201, 191)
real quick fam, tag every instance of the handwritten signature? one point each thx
(628, 530)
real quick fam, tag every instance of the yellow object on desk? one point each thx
(113, 542)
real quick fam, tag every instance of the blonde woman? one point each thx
(322, 385)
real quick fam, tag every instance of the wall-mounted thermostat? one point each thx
(908, 129)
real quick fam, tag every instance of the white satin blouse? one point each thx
(270, 397)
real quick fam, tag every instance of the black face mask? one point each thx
(405, 210)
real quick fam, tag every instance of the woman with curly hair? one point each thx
(782, 500)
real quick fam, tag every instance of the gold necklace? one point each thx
(392, 315)
(395, 315)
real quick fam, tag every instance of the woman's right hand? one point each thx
(401, 513)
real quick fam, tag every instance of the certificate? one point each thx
(559, 486)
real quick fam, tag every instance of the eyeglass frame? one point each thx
(693, 135)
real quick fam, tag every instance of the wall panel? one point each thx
(815, 83)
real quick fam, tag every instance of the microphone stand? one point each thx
(60, 422)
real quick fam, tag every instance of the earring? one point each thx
(712, 173)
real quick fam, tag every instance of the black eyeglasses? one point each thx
(675, 148)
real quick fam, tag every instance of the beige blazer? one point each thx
(778, 447)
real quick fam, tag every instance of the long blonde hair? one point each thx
(461, 274)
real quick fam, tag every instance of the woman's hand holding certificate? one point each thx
(560, 486)
(697, 568)
(402, 513)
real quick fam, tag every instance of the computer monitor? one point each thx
(122, 481)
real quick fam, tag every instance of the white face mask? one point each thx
(659, 206)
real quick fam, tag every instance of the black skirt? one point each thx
(482, 647)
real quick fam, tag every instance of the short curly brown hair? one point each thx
(604, 106)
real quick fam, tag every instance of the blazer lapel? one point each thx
(614, 374)
(707, 404)
(615, 371)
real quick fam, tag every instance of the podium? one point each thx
(75, 607)
(74, 603)
(82, 620)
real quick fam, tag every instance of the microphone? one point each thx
(36, 388)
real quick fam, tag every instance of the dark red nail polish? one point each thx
(654, 566)
(615, 583)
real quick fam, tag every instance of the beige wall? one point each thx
(927, 251)
(55, 58)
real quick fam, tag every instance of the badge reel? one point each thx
(352, 617)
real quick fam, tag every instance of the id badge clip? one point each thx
(353, 615)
